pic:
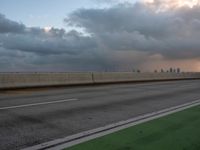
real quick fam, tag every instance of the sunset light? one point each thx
(172, 4)
(47, 29)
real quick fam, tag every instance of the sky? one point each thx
(99, 35)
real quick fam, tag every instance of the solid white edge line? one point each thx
(99, 132)
(37, 104)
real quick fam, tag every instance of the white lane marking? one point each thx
(85, 136)
(37, 104)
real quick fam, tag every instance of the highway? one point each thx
(31, 117)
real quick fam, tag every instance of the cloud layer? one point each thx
(117, 38)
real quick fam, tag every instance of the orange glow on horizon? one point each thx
(171, 4)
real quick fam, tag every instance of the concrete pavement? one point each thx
(95, 106)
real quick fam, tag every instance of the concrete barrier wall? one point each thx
(22, 80)
(125, 77)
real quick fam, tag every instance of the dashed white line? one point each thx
(37, 104)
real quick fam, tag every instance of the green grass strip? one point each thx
(179, 131)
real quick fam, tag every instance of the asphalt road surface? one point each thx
(32, 117)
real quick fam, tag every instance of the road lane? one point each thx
(97, 106)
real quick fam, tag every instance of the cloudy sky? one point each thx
(99, 35)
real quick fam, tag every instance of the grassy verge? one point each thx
(179, 131)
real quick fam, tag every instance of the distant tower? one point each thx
(178, 70)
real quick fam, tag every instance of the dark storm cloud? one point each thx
(172, 33)
(15, 36)
(8, 26)
(121, 36)
(46, 45)
(24, 48)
